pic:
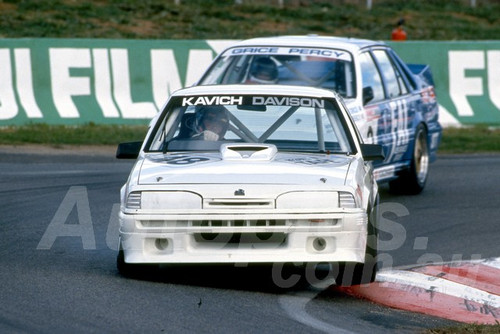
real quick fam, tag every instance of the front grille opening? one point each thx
(240, 203)
(243, 203)
(239, 223)
(276, 239)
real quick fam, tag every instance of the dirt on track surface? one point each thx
(88, 150)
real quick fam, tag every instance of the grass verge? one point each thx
(223, 19)
(475, 139)
(54, 135)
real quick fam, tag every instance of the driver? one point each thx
(211, 123)
(263, 71)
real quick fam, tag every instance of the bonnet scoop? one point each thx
(250, 151)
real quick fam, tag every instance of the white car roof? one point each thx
(257, 89)
(345, 43)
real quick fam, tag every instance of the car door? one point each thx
(376, 107)
(400, 105)
(395, 109)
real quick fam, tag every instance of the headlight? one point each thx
(346, 200)
(307, 200)
(163, 200)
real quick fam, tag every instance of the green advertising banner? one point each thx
(466, 76)
(77, 81)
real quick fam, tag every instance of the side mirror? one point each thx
(367, 94)
(372, 152)
(128, 150)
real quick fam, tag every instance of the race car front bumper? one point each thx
(244, 238)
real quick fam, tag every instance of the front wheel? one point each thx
(413, 181)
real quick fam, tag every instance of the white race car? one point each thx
(251, 174)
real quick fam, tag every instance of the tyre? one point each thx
(413, 181)
(362, 273)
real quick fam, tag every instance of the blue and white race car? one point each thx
(392, 103)
(251, 174)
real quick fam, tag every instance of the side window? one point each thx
(371, 76)
(402, 84)
(395, 83)
(408, 77)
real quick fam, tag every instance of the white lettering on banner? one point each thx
(165, 73)
(198, 62)
(110, 86)
(63, 85)
(122, 91)
(212, 100)
(8, 105)
(493, 77)
(102, 77)
(460, 85)
(24, 83)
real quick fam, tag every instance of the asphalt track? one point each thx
(55, 283)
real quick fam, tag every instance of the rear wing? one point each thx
(423, 72)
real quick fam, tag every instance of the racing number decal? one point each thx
(399, 129)
(403, 137)
(185, 160)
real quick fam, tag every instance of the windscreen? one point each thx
(326, 68)
(292, 123)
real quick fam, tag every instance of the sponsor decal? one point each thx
(287, 51)
(328, 53)
(385, 172)
(288, 101)
(312, 161)
(239, 192)
(254, 50)
(184, 160)
(212, 100)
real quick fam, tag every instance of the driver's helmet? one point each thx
(212, 118)
(263, 71)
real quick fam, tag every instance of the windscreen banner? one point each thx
(101, 81)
